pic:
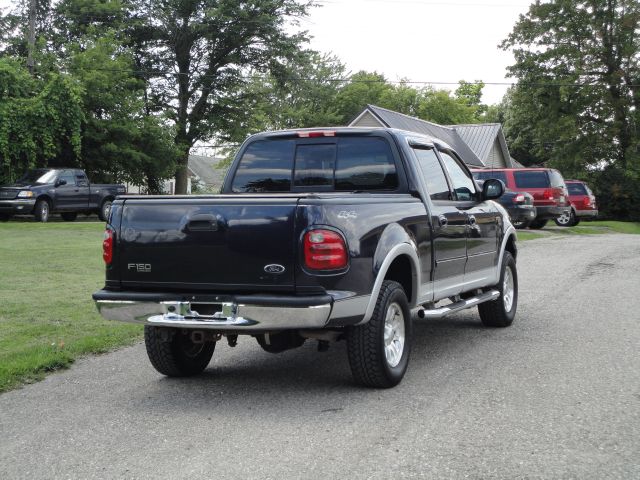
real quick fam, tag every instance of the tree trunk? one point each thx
(182, 174)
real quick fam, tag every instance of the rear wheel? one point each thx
(537, 224)
(173, 353)
(105, 210)
(69, 216)
(566, 219)
(379, 350)
(41, 211)
(4, 217)
(501, 311)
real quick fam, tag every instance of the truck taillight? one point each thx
(325, 250)
(107, 246)
(548, 194)
(586, 202)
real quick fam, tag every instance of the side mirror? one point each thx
(492, 189)
(60, 182)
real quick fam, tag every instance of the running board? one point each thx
(457, 306)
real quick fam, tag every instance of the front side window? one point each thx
(462, 182)
(67, 176)
(434, 176)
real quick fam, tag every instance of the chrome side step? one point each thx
(457, 306)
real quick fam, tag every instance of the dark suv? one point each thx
(546, 185)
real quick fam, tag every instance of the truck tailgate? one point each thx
(222, 243)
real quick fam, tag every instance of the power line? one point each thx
(156, 73)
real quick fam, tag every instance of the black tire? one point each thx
(537, 224)
(576, 221)
(173, 354)
(366, 343)
(4, 217)
(567, 221)
(496, 313)
(41, 211)
(105, 209)
(522, 224)
(69, 216)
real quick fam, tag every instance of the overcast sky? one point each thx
(420, 40)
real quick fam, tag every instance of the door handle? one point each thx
(443, 221)
(202, 222)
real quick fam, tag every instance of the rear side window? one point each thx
(346, 164)
(365, 164)
(576, 189)
(437, 185)
(491, 174)
(533, 179)
(556, 179)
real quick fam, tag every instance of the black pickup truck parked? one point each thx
(319, 234)
(67, 191)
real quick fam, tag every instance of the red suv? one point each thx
(550, 195)
(583, 204)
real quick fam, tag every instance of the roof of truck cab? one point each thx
(354, 130)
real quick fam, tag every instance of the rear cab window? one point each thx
(323, 164)
(577, 189)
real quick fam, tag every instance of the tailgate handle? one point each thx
(202, 222)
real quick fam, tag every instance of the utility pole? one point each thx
(31, 40)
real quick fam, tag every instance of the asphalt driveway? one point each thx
(557, 395)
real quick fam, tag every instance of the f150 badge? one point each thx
(274, 268)
(140, 267)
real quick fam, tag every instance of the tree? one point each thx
(303, 95)
(198, 54)
(120, 141)
(577, 102)
(40, 119)
(578, 91)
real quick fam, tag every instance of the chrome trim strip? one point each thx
(232, 316)
(461, 305)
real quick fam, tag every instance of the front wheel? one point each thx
(379, 349)
(105, 210)
(41, 211)
(501, 311)
(174, 354)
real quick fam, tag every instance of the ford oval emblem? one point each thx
(274, 268)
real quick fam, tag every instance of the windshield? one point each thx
(40, 175)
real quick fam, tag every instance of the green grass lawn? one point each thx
(584, 228)
(47, 320)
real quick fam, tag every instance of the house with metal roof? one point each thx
(479, 145)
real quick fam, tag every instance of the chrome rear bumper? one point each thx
(225, 316)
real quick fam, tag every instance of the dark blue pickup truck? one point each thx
(67, 191)
(325, 235)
